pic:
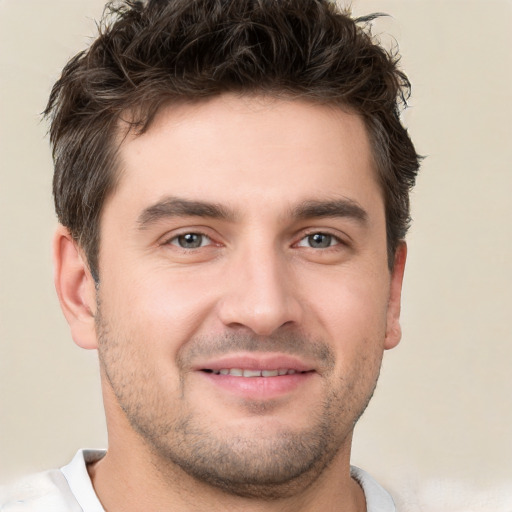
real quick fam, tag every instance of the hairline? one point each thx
(129, 127)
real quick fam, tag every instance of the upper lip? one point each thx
(256, 362)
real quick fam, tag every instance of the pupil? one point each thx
(190, 241)
(320, 240)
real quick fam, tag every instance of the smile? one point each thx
(239, 372)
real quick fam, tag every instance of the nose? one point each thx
(260, 293)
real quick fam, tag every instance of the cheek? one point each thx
(351, 308)
(160, 307)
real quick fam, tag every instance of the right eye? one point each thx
(190, 240)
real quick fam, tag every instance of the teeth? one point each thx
(252, 373)
(238, 372)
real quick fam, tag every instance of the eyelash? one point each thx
(205, 240)
(175, 240)
(333, 240)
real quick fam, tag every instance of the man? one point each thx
(231, 181)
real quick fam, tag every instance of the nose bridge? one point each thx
(260, 292)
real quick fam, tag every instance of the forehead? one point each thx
(248, 151)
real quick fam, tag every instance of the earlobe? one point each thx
(393, 329)
(75, 288)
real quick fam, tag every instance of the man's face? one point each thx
(244, 298)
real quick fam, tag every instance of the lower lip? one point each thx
(259, 387)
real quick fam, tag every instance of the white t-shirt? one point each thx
(69, 489)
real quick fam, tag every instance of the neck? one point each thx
(132, 477)
(129, 481)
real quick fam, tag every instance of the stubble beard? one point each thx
(248, 464)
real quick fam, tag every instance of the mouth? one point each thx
(241, 372)
(258, 376)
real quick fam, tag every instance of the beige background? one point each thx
(438, 432)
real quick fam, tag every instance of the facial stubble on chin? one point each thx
(249, 464)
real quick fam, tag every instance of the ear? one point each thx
(75, 288)
(393, 329)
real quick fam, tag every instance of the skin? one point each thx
(290, 269)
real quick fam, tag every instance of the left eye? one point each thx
(190, 240)
(319, 241)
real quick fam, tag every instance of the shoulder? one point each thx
(68, 489)
(377, 498)
(43, 491)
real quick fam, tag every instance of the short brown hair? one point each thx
(159, 51)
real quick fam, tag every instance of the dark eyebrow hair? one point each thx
(335, 208)
(177, 207)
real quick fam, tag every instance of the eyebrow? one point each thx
(336, 208)
(178, 207)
